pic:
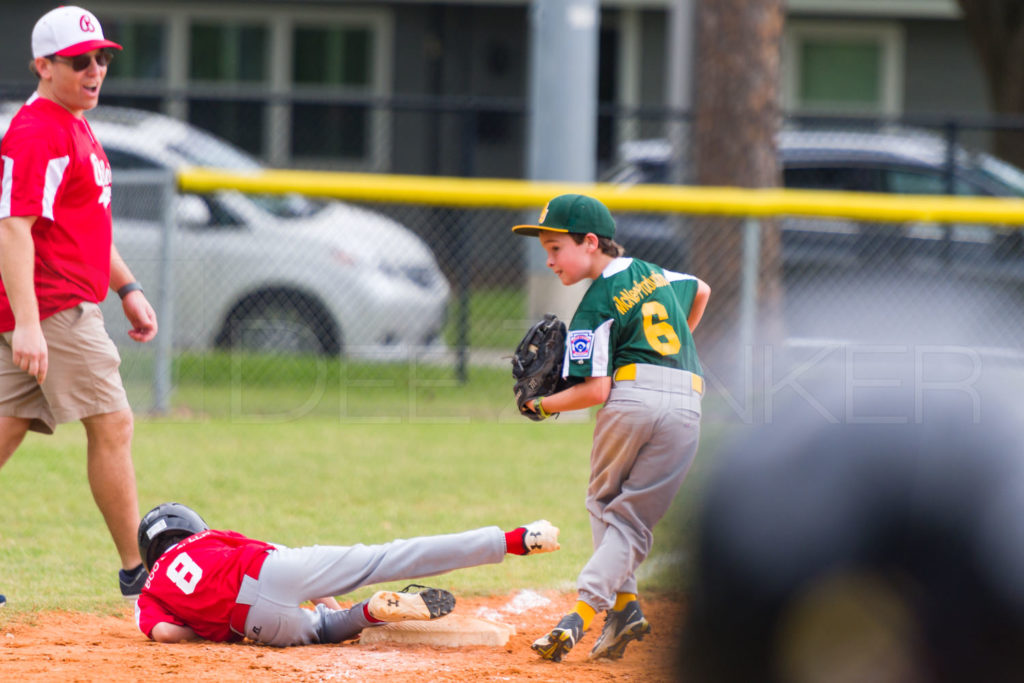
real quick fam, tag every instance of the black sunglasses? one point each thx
(82, 62)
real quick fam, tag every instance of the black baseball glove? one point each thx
(537, 364)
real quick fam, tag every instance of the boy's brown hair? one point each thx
(607, 245)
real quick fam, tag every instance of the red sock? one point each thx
(366, 613)
(514, 541)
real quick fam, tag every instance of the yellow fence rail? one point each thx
(519, 194)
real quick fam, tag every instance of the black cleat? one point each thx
(620, 629)
(561, 639)
(132, 582)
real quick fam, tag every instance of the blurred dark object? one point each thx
(865, 552)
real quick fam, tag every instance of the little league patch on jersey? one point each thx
(581, 344)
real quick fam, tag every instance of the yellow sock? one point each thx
(623, 599)
(585, 611)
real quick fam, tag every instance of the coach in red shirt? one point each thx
(57, 261)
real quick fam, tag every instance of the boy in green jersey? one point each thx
(629, 345)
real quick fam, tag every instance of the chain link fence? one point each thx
(266, 287)
(270, 304)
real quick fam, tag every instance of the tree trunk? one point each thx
(736, 122)
(997, 29)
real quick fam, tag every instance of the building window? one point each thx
(288, 85)
(142, 64)
(240, 121)
(228, 55)
(334, 56)
(223, 52)
(332, 61)
(857, 61)
(845, 68)
(144, 47)
(330, 130)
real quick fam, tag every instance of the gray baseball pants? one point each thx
(645, 441)
(290, 576)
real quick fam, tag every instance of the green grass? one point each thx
(263, 387)
(383, 393)
(327, 453)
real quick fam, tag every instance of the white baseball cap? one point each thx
(68, 31)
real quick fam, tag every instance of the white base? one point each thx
(454, 630)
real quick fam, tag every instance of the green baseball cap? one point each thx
(572, 213)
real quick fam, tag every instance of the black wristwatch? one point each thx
(128, 289)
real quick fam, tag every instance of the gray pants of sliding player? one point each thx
(644, 443)
(290, 576)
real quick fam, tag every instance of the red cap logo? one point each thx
(85, 23)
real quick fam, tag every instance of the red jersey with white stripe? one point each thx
(196, 582)
(54, 168)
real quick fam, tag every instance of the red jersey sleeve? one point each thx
(34, 163)
(149, 612)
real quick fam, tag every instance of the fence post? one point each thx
(748, 285)
(165, 337)
(462, 251)
(949, 178)
(462, 257)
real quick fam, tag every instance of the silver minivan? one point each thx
(282, 273)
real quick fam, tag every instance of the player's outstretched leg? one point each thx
(533, 538)
(621, 627)
(414, 602)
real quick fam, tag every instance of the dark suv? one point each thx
(904, 162)
(854, 280)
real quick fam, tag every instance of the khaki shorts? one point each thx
(82, 377)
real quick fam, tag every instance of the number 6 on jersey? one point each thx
(659, 331)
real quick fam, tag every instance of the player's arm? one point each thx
(164, 632)
(17, 268)
(592, 391)
(136, 307)
(700, 302)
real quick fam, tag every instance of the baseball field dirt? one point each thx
(71, 646)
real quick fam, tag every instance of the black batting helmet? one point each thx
(165, 525)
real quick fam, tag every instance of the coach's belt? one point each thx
(240, 612)
(628, 372)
